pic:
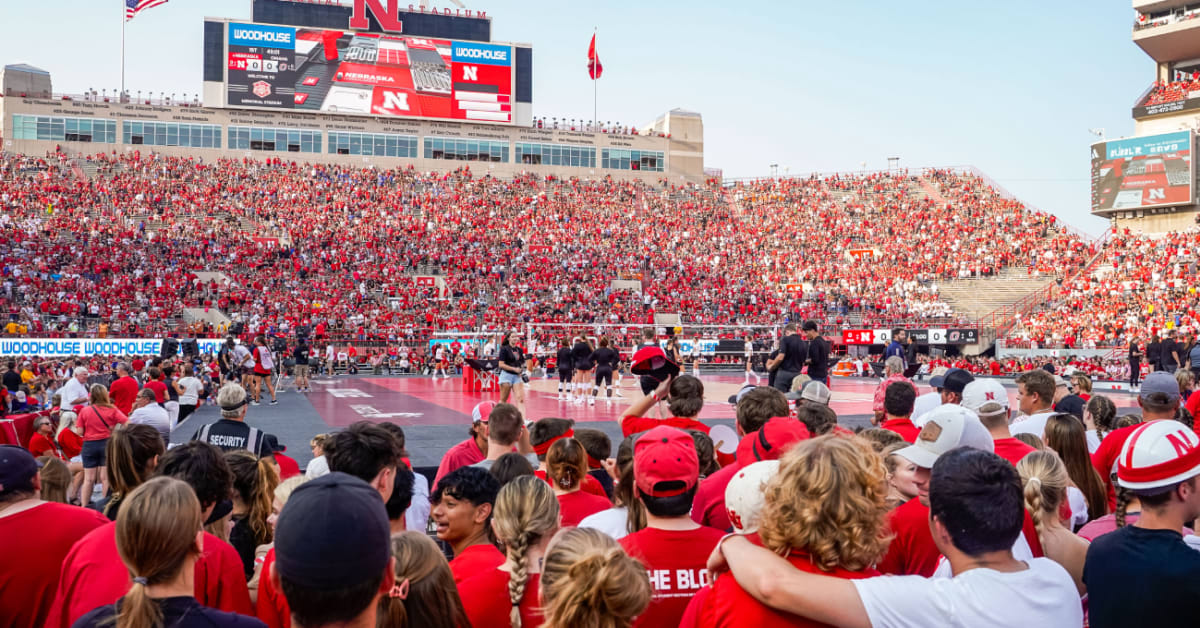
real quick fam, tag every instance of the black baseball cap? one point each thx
(270, 445)
(332, 534)
(17, 468)
(953, 380)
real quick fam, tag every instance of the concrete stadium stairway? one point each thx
(982, 296)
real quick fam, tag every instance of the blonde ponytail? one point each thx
(588, 581)
(1045, 481)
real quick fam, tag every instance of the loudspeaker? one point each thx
(278, 345)
(170, 347)
(237, 329)
(190, 347)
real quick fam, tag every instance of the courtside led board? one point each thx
(349, 72)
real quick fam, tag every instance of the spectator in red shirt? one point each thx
(462, 512)
(97, 420)
(472, 450)
(93, 575)
(566, 468)
(589, 580)
(124, 389)
(898, 401)
(156, 384)
(526, 517)
(42, 441)
(685, 399)
(829, 478)
(159, 535)
(988, 399)
(35, 536)
(666, 471)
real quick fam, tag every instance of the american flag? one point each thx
(133, 7)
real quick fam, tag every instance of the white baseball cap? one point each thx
(1158, 455)
(982, 392)
(947, 426)
(745, 497)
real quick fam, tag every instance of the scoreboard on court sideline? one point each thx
(930, 336)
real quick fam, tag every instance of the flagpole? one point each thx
(595, 118)
(121, 96)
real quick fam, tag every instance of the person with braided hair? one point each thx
(525, 518)
(423, 595)
(588, 581)
(1044, 480)
(1127, 511)
(1100, 417)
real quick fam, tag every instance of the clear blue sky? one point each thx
(1011, 88)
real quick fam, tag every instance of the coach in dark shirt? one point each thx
(1170, 353)
(818, 353)
(12, 378)
(793, 353)
(1154, 353)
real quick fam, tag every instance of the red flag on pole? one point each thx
(594, 67)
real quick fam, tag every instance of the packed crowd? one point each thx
(954, 509)
(1164, 91)
(1139, 287)
(338, 247)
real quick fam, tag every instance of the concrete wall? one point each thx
(688, 165)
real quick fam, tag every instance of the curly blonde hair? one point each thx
(588, 581)
(829, 499)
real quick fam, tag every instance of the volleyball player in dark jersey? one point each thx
(581, 355)
(605, 360)
(565, 362)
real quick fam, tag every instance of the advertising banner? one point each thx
(932, 336)
(308, 69)
(66, 347)
(1143, 172)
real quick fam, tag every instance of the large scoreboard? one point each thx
(269, 66)
(1143, 172)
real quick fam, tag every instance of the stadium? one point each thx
(359, 235)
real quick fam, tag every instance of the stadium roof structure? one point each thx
(25, 67)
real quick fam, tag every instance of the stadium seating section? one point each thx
(112, 244)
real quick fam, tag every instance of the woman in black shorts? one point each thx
(565, 362)
(581, 355)
(605, 360)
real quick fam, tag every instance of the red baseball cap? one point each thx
(665, 463)
(653, 362)
(772, 440)
(482, 411)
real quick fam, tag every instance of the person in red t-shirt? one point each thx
(988, 399)
(472, 450)
(685, 399)
(93, 574)
(543, 434)
(898, 401)
(156, 384)
(525, 518)
(462, 511)
(666, 471)
(124, 389)
(566, 467)
(35, 536)
(589, 580)
(829, 478)
(42, 441)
